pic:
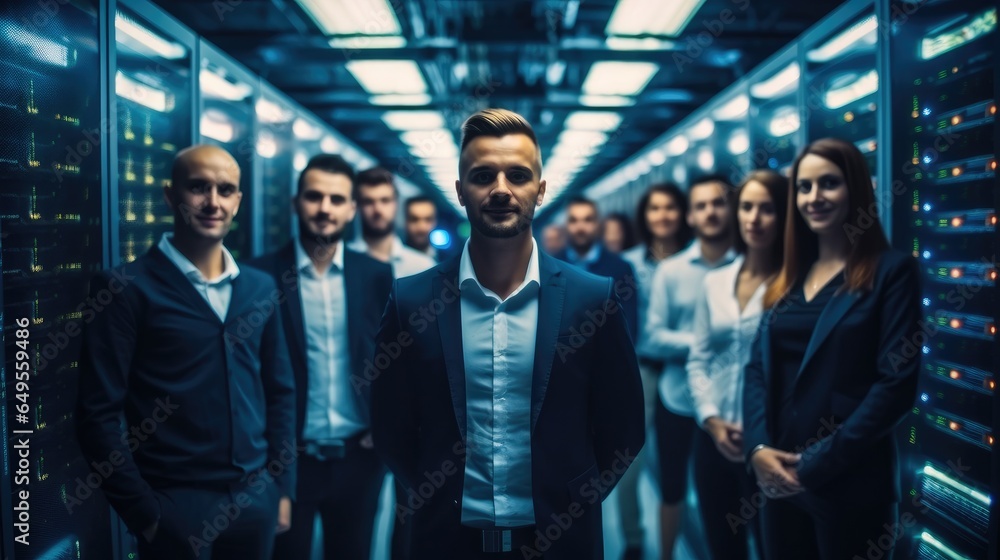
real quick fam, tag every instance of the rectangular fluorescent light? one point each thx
(777, 84)
(217, 130)
(388, 76)
(733, 109)
(678, 145)
(606, 101)
(271, 113)
(430, 143)
(217, 87)
(639, 44)
(369, 42)
(863, 31)
(933, 47)
(147, 96)
(413, 120)
(416, 99)
(784, 122)
(602, 121)
(618, 78)
(139, 38)
(582, 138)
(860, 88)
(267, 146)
(580, 151)
(554, 72)
(645, 17)
(702, 130)
(353, 17)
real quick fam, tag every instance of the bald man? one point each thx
(190, 350)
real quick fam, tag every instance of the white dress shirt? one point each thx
(644, 266)
(331, 411)
(670, 320)
(405, 261)
(498, 341)
(217, 291)
(721, 347)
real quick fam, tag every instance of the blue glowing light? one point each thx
(927, 301)
(927, 159)
(440, 239)
(925, 397)
(927, 349)
(926, 111)
(927, 207)
(927, 254)
(772, 163)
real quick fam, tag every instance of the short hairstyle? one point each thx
(419, 200)
(777, 187)
(713, 178)
(684, 232)
(497, 123)
(374, 177)
(327, 163)
(578, 200)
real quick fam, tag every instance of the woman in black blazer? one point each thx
(828, 379)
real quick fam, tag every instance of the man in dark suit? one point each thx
(583, 248)
(191, 349)
(505, 395)
(332, 299)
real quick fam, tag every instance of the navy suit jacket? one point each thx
(220, 393)
(856, 383)
(586, 405)
(367, 282)
(612, 266)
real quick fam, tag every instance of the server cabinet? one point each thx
(51, 224)
(274, 147)
(944, 186)
(153, 107)
(226, 119)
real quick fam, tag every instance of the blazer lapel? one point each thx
(353, 289)
(450, 331)
(551, 295)
(834, 311)
(293, 297)
(168, 271)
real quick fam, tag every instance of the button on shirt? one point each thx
(405, 261)
(670, 320)
(331, 411)
(218, 291)
(721, 347)
(498, 341)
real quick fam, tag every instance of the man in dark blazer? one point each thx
(505, 396)
(331, 302)
(583, 249)
(190, 348)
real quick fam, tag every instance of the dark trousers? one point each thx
(214, 524)
(801, 527)
(345, 493)
(728, 499)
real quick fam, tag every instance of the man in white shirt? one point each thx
(668, 336)
(378, 198)
(507, 400)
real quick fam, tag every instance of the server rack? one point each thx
(226, 119)
(944, 181)
(52, 221)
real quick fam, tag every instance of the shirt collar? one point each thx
(303, 262)
(229, 268)
(693, 254)
(592, 255)
(466, 273)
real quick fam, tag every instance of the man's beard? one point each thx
(502, 231)
(369, 231)
(332, 239)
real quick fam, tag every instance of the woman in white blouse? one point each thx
(726, 318)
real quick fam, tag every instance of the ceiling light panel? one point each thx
(618, 78)
(388, 76)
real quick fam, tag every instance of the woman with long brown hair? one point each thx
(828, 379)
